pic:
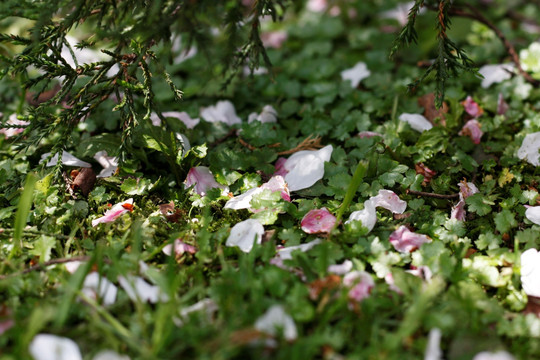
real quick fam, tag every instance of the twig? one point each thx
(307, 144)
(231, 132)
(477, 15)
(47, 263)
(432, 195)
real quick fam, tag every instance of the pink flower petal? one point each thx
(203, 179)
(472, 108)
(280, 167)
(502, 106)
(361, 284)
(277, 183)
(458, 211)
(390, 201)
(274, 39)
(368, 134)
(318, 221)
(423, 272)
(472, 130)
(9, 132)
(115, 212)
(180, 248)
(389, 279)
(406, 241)
(467, 189)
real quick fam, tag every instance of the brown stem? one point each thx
(433, 195)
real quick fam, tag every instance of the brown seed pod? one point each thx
(84, 180)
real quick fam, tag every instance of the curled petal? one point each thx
(472, 108)
(52, 347)
(390, 201)
(276, 320)
(416, 121)
(67, 159)
(139, 290)
(268, 115)
(422, 169)
(467, 189)
(318, 221)
(368, 216)
(245, 233)
(115, 212)
(203, 179)
(97, 287)
(277, 183)
(223, 111)
(306, 167)
(109, 164)
(356, 74)
(458, 211)
(406, 241)
(473, 130)
(529, 149)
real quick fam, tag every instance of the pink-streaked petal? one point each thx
(109, 164)
(361, 283)
(115, 212)
(471, 107)
(203, 179)
(502, 106)
(389, 279)
(223, 111)
(9, 132)
(473, 130)
(245, 233)
(280, 167)
(356, 74)
(306, 167)
(341, 269)
(458, 211)
(467, 189)
(276, 320)
(277, 183)
(423, 272)
(49, 347)
(406, 241)
(368, 215)
(67, 159)
(180, 248)
(318, 221)
(390, 201)
(416, 121)
(368, 134)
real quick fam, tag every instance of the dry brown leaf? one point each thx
(430, 110)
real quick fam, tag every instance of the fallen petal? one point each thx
(286, 252)
(368, 134)
(361, 284)
(473, 130)
(180, 115)
(276, 321)
(498, 355)
(341, 269)
(533, 214)
(433, 347)
(471, 107)
(223, 111)
(390, 201)
(115, 212)
(268, 115)
(110, 355)
(242, 201)
(502, 106)
(109, 164)
(52, 347)
(12, 131)
(139, 290)
(306, 167)
(318, 221)
(180, 248)
(99, 288)
(416, 121)
(406, 241)
(530, 272)
(529, 149)
(495, 73)
(67, 159)
(356, 74)
(458, 211)
(245, 233)
(203, 180)
(277, 183)
(368, 216)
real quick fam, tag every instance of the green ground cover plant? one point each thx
(259, 179)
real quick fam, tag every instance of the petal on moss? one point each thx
(318, 221)
(406, 241)
(245, 233)
(115, 212)
(203, 180)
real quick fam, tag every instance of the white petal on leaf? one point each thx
(52, 347)
(530, 272)
(67, 159)
(306, 167)
(245, 233)
(356, 74)
(286, 252)
(275, 320)
(368, 215)
(416, 121)
(529, 149)
(495, 73)
(223, 111)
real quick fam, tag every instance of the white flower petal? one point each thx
(267, 115)
(139, 290)
(52, 347)
(529, 149)
(223, 111)
(242, 201)
(109, 164)
(495, 73)
(390, 201)
(499, 355)
(530, 272)
(356, 74)
(433, 348)
(97, 287)
(275, 320)
(368, 215)
(245, 233)
(416, 121)
(286, 252)
(400, 13)
(341, 269)
(110, 355)
(306, 167)
(533, 214)
(67, 159)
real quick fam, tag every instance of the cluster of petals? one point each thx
(98, 288)
(267, 115)
(223, 111)
(243, 201)
(202, 180)
(356, 74)
(67, 159)
(318, 221)
(274, 39)
(276, 321)
(472, 108)
(52, 347)
(417, 122)
(304, 168)
(109, 164)
(529, 149)
(466, 189)
(495, 73)
(139, 289)
(386, 199)
(406, 241)
(246, 233)
(183, 116)
(115, 212)
(180, 248)
(530, 272)
(360, 283)
(472, 129)
(12, 131)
